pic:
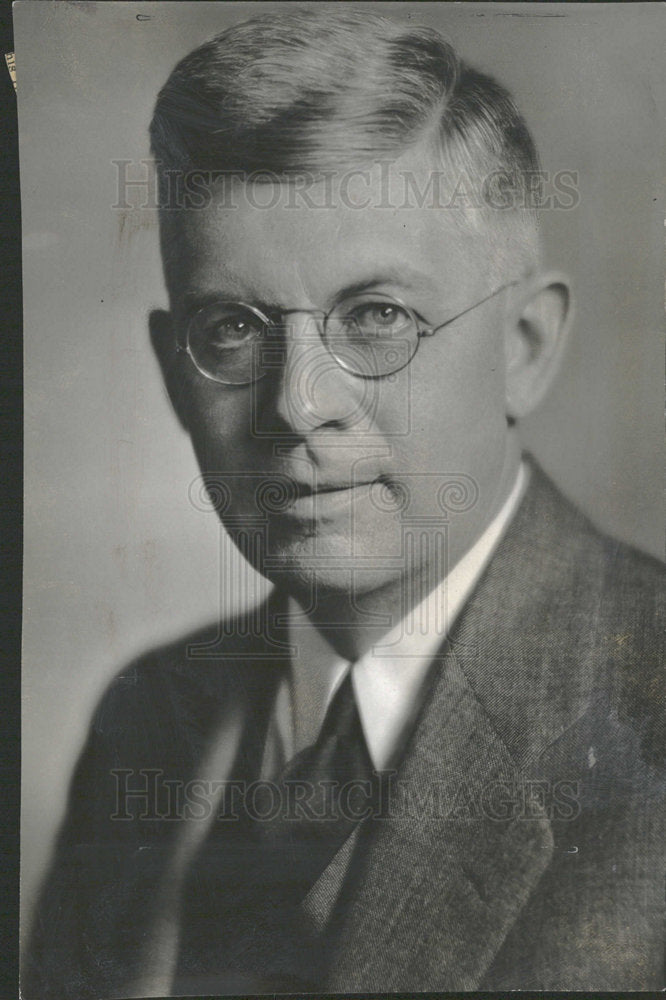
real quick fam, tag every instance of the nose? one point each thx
(312, 390)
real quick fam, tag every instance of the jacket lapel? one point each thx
(436, 885)
(231, 745)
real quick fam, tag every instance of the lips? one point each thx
(323, 500)
(307, 489)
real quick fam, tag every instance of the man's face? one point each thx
(353, 446)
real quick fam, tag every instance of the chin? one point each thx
(336, 557)
(328, 565)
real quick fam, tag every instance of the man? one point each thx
(432, 760)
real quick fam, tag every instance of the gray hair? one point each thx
(313, 90)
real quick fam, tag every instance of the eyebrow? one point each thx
(405, 277)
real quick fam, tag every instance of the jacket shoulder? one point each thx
(174, 692)
(573, 622)
(614, 599)
(634, 600)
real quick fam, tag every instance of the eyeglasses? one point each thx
(368, 335)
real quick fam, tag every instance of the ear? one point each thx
(535, 338)
(163, 339)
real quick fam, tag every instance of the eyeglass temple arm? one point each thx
(430, 331)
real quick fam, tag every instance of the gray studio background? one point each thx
(116, 556)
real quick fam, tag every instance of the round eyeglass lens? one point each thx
(371, 336)
(224, 341)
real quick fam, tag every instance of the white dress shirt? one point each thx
(389, 679)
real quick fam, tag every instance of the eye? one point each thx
(373, 319)
(225, 327)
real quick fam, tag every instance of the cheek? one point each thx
(219, 422)
(457, 401)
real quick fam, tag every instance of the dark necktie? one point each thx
(242, 926)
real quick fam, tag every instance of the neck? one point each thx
(355, 614)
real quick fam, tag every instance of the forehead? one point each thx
(310, 238)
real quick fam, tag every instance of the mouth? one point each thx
(307, 489)
(324, 500)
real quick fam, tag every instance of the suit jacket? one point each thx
(524, 844)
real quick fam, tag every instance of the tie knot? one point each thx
(340, 751)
